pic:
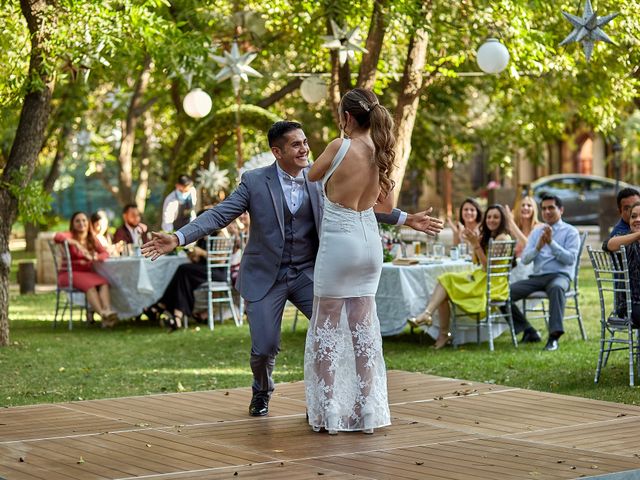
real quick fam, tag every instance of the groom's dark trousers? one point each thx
(265, 317)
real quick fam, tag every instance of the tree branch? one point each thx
(375, 38)
(291, 86)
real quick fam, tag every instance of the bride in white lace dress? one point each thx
(344, 370)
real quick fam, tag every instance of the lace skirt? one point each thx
(344, 369)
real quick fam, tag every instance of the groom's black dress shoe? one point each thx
(552, 345)
(259, 406)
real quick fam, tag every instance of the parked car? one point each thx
(579, 193)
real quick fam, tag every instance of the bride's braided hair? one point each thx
(365, 108)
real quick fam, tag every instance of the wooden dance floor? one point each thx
(442, 429)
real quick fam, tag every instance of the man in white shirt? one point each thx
(179, 207)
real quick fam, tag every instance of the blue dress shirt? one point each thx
(559, 256)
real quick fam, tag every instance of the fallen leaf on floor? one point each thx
(21, 459)
(142, 424)
(621, 415)
(468, 391)
(80, 460)
(148, 445)
(180, 387)
(226, 393)
(419, 463)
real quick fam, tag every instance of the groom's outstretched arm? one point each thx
(396, 217)
(214, 219)
(420, 221)
(217, 217)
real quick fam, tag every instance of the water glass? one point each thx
(438, 250)
(463, 249)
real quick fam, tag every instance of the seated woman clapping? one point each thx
(467, 290)
(522, 220)
(631, 244)
(84, 250)
(469, 218)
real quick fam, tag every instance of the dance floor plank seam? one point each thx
(442, 428)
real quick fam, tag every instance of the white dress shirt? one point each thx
(293, 189)
(135, 235)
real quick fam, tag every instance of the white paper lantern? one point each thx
(313, 89)
(492, 57)
(197, 103)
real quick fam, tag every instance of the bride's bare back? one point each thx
(355, 184)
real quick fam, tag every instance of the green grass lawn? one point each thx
(52, 365)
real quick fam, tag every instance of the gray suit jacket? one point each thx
(260, 194)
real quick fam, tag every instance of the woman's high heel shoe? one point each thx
(367, 420)
(443, 340)
(423, 319)
(333, 419)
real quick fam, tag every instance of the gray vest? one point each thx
(184, 214)
(300, 238)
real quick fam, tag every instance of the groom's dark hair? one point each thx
(279, 130)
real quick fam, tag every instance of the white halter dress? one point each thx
(344, 368)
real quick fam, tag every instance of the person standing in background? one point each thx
(179, 207)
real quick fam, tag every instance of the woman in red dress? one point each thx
(84, 250)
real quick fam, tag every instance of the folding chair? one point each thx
(499, 263)
(62, 264)
(219, 251)
(573, 293)
(612, 277)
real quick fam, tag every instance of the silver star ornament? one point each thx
(347, 42)
(586, 30)
(236, 66)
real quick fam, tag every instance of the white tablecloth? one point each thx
(137, 282)
(404, 292)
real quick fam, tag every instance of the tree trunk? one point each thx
(27, 141)
(375, 38)
(408, 98)
(125, 154)
(31, 230)
(143, 181)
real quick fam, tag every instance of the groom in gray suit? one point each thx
(277, 264)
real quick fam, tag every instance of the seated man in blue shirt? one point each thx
(626, 198)
(553, 249)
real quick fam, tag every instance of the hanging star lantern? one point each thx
(345, 42)
(236, 66)
(586, 30)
